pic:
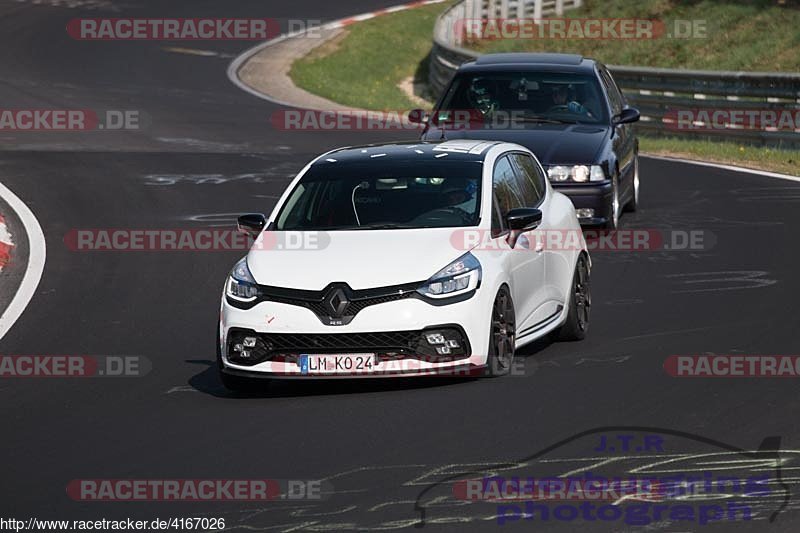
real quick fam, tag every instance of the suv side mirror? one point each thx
(252, 223)
(628, 115)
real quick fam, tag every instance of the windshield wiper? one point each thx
(536, 119)
(383, 225)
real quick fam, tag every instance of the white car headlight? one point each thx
(459, 277)
(241, 284)
(576, 173)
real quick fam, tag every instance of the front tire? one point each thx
(502, 335)
(580, 303)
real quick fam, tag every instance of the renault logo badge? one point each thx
(336, 302)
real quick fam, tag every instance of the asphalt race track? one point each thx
(381, 448)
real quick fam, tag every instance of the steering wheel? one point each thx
(566, 108)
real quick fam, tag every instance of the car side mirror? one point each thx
(522, 219)
(628, 115)
(418, 116)
(251, 223)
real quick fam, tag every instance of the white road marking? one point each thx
(181, 388)
(196, 52)
(36, 258)
(732, 168)
(748, 279)
(620, 359)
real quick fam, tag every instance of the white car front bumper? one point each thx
(300, 328)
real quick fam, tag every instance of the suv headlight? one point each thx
(576, 173)
(459, 277)
(241, 284)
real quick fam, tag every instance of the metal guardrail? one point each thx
(659, 94)
(447, 28)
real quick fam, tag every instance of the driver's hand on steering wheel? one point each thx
(576, 107)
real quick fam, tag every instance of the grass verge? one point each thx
(755, 157)
(757, 35)
(364, 68)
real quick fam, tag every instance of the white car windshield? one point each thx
(351, 196)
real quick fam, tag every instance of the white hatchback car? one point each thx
(405, 259)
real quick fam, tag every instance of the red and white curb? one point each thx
(341, 23)
(236, 64)
(37, 255)
(6, 244)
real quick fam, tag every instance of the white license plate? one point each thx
(357, 363)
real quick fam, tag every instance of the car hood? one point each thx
(362, 258)
(552, 143)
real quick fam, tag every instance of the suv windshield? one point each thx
(352, 196)
(524, 97)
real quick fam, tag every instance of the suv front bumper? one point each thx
(589, 196)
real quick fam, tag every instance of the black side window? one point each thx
(617, 90)
(530, 178)
(614, 96)
(497, 222)
(505, 187)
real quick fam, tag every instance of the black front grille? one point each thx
(358, 300)
(393, 341)
(387, 344)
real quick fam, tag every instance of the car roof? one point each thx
(529, 62)
(456, 150)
